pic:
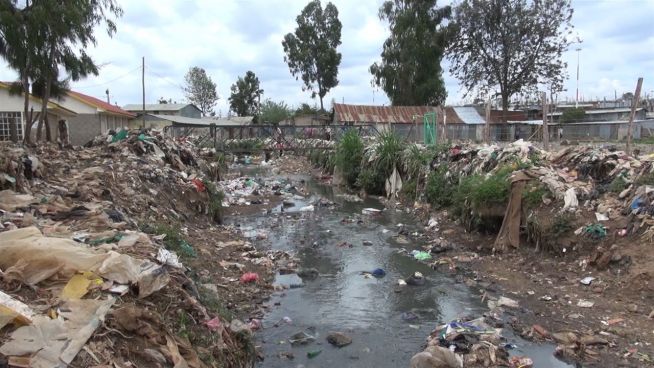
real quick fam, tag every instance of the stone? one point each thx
(436, 357)
(339, 339)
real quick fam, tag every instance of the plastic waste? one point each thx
(28, 256)
(309, 208)
(570, 199)
(370, 211)
(14, 311)
(78, 285)
(214, 324)
(587, 280)
(249, 277)
(421, 255)
(313, 354)
(168, 258)
(122, 134)
(55, 342)
(378, 272)
(301, 338)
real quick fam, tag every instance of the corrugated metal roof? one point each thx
(345, 113)
(469, 115)
(155, 107)
(205, 122)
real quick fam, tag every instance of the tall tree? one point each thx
(410, 71)
(200, 90)
(311, 51)
(510, 45)
(246, 95)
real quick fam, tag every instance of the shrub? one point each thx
(216, 197)
(174, 240)
(533, 194)
(646, 179)
(573, 115)
(349, 154)
(371, 181)
(440, 188)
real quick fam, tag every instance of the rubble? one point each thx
(100, 250)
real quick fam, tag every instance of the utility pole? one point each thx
(634, 104)
(577, 99)
(546, 135)
(143, 89)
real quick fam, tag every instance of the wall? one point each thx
(83, 128)
(77, 106)
(190, 111)
(150, 122)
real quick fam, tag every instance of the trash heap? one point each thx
(95, 244)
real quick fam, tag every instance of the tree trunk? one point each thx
(27, 133)
(46, 96)
(505, 107)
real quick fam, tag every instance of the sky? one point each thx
(229, 37)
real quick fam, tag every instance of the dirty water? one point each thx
(369, 310)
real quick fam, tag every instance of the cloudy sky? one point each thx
(230, 37)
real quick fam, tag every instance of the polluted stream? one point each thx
(388, 323)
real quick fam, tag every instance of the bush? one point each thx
(371, 181)
(387, 153)
(174, 240)
(533, 194)
(573, 115)
(440, 188)
(646, 179)
(349, 154)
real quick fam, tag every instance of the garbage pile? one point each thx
(603, 181)
(95, 245)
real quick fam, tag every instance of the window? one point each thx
(8, 118)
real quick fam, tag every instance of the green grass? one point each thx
(646, 179)
(174, 240)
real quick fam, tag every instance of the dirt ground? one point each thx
(619, 325)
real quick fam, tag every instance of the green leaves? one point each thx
(273, 112)
(410, 72)
(200, 90)
(311, 53)
(510, 45)
(244, 100)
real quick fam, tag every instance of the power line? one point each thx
(165, 79)
(112, 80)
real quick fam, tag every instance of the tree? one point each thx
(311, 51)
(200, 90)
(273, 112)
(510, 45)
(246, 95)
(306, 109)
(410, 71)
(573, 115)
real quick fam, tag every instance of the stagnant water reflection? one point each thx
(341, 299)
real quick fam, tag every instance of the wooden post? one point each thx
(143, 89)
(634, 104)
(546, 134)
(487, 129)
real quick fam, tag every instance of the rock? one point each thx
(436, 357)
(633, 308)
(415, 280)
(308, 273)
(367, 243)
(339, 339)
